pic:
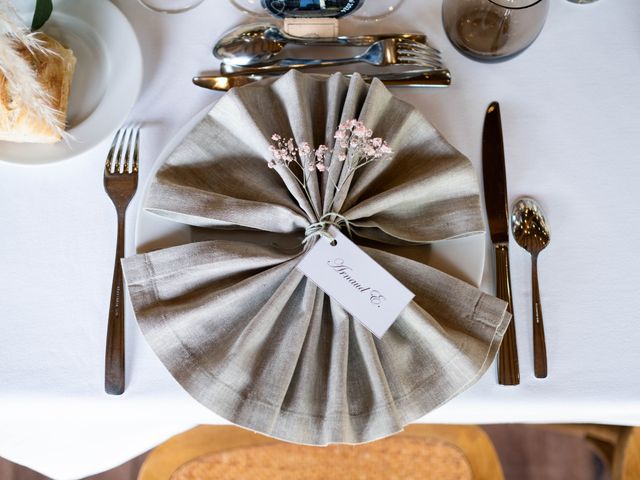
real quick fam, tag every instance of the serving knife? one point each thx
(434, 78)
(495, 192)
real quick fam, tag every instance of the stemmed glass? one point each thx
(369, 11)
(170, 6)
(252, 8)
(376, 10)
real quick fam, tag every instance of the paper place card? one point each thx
(356, 281)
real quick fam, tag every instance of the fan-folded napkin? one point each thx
(246, 333)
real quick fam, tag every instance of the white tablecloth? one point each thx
(571, 115)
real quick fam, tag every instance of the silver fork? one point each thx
(390, 51)
(120, 183)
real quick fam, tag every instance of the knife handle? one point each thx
(437, 78)
(508, 367)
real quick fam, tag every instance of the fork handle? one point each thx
(285, 65)
(539, 344)
(355, 41)
(114, 355)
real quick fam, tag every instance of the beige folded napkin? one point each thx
(247, 334)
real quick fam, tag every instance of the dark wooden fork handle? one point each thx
(508, 365)
(114, 356)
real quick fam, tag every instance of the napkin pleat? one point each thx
(183, 190)
(305, 123)
(245, 111)
(254, 340)
(250, 363)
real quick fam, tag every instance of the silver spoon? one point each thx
(531, 232)
(256, 43)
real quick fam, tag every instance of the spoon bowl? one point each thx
(250, 44)
(260, 42)
(529, 226)
(531, 231)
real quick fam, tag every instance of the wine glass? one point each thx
(170, 6)
(376, 10)
(252, 8)
(368, 11)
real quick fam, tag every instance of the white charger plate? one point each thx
(106, 82)
(462, 258)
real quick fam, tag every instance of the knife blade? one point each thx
(496, 198)
(434, 78)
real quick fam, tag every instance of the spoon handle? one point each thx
(539, 344)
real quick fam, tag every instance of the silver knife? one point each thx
(495, 193)
(434, 78)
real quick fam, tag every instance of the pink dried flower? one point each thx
(305, 148)
(340, 134)
(376, 142)
(321, 167)
(321, 151)
(275, 137)
(360, 130)
(342, 157)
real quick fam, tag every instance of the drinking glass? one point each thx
(252, 8)
(376, 10)
(368, 11)
(493, 30)
(170, 6)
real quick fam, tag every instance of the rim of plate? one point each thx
(123, 84)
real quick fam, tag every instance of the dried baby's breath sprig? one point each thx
(354, 144)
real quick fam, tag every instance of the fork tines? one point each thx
(123, 154)
(418, 53)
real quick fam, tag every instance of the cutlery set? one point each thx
(531, 232)
(252, 52)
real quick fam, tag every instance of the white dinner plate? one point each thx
(106, 82)
(462, 258)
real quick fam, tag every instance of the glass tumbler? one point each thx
(493, 30)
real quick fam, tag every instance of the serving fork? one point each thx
(390, 51)
(120, 183)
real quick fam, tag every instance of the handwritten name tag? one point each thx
(353, 279)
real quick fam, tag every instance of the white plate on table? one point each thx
(106, 82)
(462, 258)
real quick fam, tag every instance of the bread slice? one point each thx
(54, 72)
